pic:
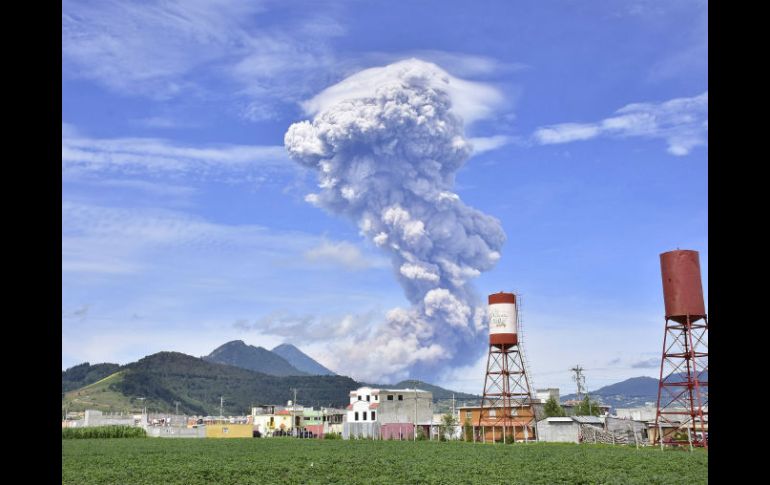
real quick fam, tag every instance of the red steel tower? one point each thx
(682, 414)
(506, 407)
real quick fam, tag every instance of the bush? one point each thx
(332, 436)
(103, 432)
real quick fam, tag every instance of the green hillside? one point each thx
(100, 395)
(197, 385)
(85, 374)
(165, 378)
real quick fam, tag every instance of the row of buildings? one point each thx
(398, 414)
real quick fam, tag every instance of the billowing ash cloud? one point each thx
(387, 143)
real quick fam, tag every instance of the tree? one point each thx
(553, 408)
(468, 432)
(448, 423)
(588, 407)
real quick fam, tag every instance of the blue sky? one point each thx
(185, 223)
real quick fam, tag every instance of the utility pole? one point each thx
(453, 415)
(221, 406)
(294, 411)
(579, 379)
(415, 412)
(176, 403)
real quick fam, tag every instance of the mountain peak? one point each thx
(284, 347)
(259, 359)
(301, 361)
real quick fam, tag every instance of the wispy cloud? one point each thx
(471, 100)
(144, 48)
(167, 49)
(163, 122)
(489, 143)
(310, 327)
(98, 239)
(646, 364)
(343, 254)
(682, 122)
(456, 63)
(155, 156)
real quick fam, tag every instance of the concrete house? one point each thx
(387, 413)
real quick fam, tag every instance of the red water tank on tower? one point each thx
(682, 289)
(502, 319)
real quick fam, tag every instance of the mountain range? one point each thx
(633, 392)
(244, 375)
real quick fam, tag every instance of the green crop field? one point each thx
(287, 460)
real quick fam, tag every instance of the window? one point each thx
(468, 414)
(364, 416)
(390, 397)
(367, 397)
(376, 397)
(356, 417)
(400, 397)
(307, 418)
(359, 398)
(373, 416)
(493, 413)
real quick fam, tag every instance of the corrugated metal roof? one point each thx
(588, 419)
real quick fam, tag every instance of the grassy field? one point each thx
(288, 460)
(99, 396)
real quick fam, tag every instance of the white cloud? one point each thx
(145, 47)
(344, 254)
(566, 132)
(152, 188)
(489, 143)
(470, 100)
(456, 63)
(167, 49)
(682, 122)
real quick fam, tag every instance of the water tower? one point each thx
(682, 409)
(506, 406)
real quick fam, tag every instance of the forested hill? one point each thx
(168, 377)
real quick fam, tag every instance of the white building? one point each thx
(642, 413)
(386, 413)
(544, 394)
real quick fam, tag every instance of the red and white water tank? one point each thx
(503, 326)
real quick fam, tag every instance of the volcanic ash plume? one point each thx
(387, 143)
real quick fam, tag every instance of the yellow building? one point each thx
(267, 421)
(229, 430)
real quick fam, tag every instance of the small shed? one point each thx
(565, 429)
